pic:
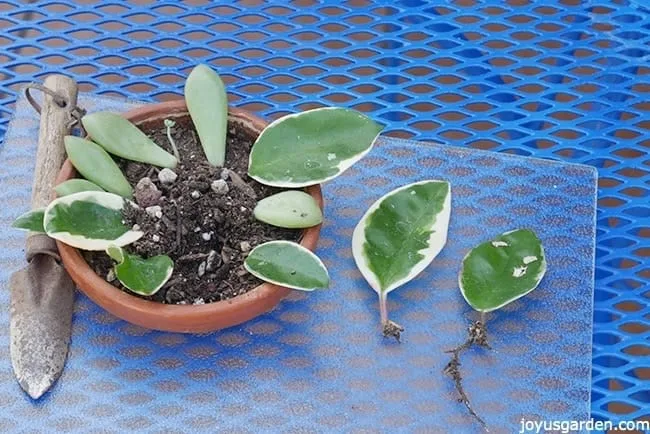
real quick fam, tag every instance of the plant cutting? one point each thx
(493, 275)
(398, 237)
(199, 204)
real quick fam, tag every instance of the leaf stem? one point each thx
(477, 335)
(169, 124)
(389, 328)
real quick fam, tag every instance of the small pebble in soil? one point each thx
(146, 193)
(210, 262)
(245, 246)
(220, 186)
(195, 194)
(154, 211)
(167, 176)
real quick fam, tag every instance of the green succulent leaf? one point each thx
(72, 186)
(120, 137)
(402, 233)
(289, 209)
(311, 147)
(30, 221)
(205, 96)
(89, 220)
(139, 275)
(500, 271)
(288, 264)
(94, 163)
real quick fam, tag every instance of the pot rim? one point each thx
(173, 317)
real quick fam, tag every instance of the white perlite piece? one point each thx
(499, 244)
(519, 271)
(245, 246)
(154, 211)
(206, 236)
(110, 276)
(195, 194)
(219, 186)
(199, 301)
(167, 176)
(202, 267)
(155, 238)
(225, 174)
(530, 259)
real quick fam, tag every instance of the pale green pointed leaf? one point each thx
(72, 186)
(287, 264)
(289, 209)
(402, 233)
(205, 96)
(311, 147)
(120, 137)
(30, 221)
(89, 220)
(139, 275)
(500, 271)
(94, 164)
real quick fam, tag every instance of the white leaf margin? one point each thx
(341, 167)
(108, 200)
(437, 240)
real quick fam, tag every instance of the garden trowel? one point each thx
(42, 294)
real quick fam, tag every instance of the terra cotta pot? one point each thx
(179, 318)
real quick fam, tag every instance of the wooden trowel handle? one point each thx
(55, 125)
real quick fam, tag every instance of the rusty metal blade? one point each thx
(42, 297)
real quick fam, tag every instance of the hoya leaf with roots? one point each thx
(502, 270)
(399, 236)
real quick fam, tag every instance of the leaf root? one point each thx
(477, 335)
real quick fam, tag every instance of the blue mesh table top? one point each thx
(558, 79)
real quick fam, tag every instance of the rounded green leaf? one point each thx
(402, 233)
(120, 137)
(500, 271)
(311, 147)
(89, 220)
(205, 96)
(97, 166)
(30, 221)
(72, 186)
(288, 264)
(289, 209)
(139, 275)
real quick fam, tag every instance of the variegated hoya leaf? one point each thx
(311, 147)
(289, 209)
(89, 220)
(72, 186)
(120, 137)
(30, 221)
(287, 264)
(500, 271)
(402, 233)
(139, 275)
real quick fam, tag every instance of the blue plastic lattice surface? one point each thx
(558, 79)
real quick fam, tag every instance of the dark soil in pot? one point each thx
(206, 230)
